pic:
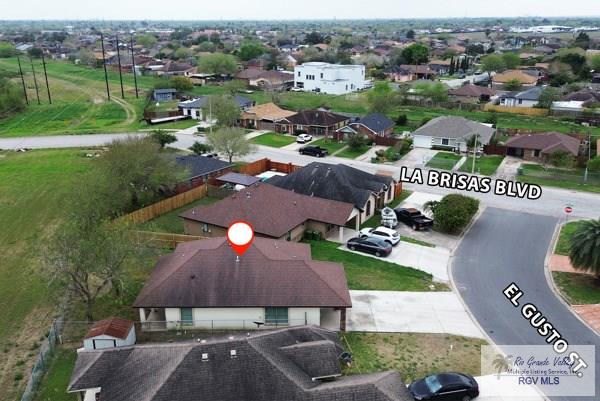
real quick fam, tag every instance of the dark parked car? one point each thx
(313, 151)
(445, 386)
(413, 218)
(374, 246)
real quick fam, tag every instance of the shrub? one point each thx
(402, 119)
(200, 148)
(454, 212)
(561, 159)
(594, 164)
(163, 138)
(356, 141)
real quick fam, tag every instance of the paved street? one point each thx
(504, 247)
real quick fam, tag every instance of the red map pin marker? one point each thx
(240, 236)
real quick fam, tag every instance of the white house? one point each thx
(451, 133)
(334, 79)
(193, 107)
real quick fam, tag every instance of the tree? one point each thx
(561, 158)
(452, 69)
(475, 50)
(575, 58)
(492, 63)
(200, 148)
(223, 108)
(250, 49)
(593, 165)
(182, 84)
(11, 97)
(234, 86)
(230, 141)
(416, 53)
(86, 57)
(314, 38)
(7, 50)
(511, 60)
(585, 247)
(513, 84)
(547, 97)
(163, 138)
(148, 41)
(380, 98)
(560, 73)
(182, 53)
(218, 63)
(35, 52)
(410, 34)
(357, 141)
(453, 213)
(582, 40)
(492, 118)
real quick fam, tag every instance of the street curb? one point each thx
(550, 277)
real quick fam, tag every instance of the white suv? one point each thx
(304, 138)
(383, 233)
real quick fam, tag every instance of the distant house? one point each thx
(110, 333)
(539, 147)
(264, 116)
(588, 96)
(205, 284)
(338, 182)
(291, 364)
(199, 169)
(266, 79)
(372, 125)
(409, 72)
(164, 95)
(526, 98)
(273, 213)
(172, 68)
(472, 94)
(441, 67)
(334, 79)
(451, 133)
(314, 122)
(193, 107)
(525, 79)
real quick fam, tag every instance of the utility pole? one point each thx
(37, 92)
(585, 175)
(46, 75)
(23, 81)
(133, 68)
(104, 64)
(474, 154)
(210, 113)
(119, 62)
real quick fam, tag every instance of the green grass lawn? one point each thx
(54, 384)
(413, 355)
(171, 222)
(560, 178)
(443, 161)
(329, 144)
(33, 189)
(366, 273)
(485, 165)
(578, 289)
(350, 153)
(562, 245)
(273, 140)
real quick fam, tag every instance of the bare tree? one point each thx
(230, 141)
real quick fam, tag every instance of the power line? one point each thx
(104, 64)
(46, 75)
(37, 92)
(23, 81)
(119, 62)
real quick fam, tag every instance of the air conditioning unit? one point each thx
(233, 353)
(205, 357)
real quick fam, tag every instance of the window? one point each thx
(368, 208)
(205, 228)
(288, 236)
(299, 73)
(445, 141)
(520, 101)
(276, 316)
(536, 153)
(187, 316)
(321, 75)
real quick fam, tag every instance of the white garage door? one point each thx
(422, 141)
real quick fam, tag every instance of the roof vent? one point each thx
(231, 337)
(203, 341)
(233, 353)
(204, 357)
(193, 276)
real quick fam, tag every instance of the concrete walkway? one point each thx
(410, 312)
(507, 170)
(460, 163)
(369, 154)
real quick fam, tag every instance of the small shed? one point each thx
(238, 181)
(110, 333)
(161, 95)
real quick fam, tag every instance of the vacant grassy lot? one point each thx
(273, 140)
(578, 289)
(33, 188)
(560, 178)
(366, 273)
(56, 381)
(443, 161)
(171, 222)
(350, 153)
(485, 165)
(413, 355)
(329, 144)
(562, 246)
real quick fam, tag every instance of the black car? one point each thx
(446, 387)
(413, 218)
(313, 151)
(374, 246)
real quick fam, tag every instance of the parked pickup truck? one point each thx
(313, 151)
(414, 218)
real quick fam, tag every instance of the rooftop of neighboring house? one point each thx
(284, 364)
(113, 327)
(199, 166)
(532, 94)
(209, 274)
(270, 210)
(587, 95)
(198, 103)
(471, 90)
(411, 69)
(511, 75)
(164, 91)
(455, 128)
(319, 118)
(254, 73)
(267, 111)
(376, 122)
(548, 142)
(172, 66)
(337, 182)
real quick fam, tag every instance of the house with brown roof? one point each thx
(313, 122)
(205, 284)
(264, 116)
(409, 72)
(539, 147)
(470, 93)
(273, 212)
(269, 79)
(110, 333)
(501, 79)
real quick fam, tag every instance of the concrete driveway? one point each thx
(410, 312)
(507, 170)
(417, 157)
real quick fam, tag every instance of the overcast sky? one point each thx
(289, 9)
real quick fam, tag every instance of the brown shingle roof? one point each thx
(472, 91)
(272, 211)
(319, 118)
(267, 111)
(113, 326)
(273, 273)
(547, 143)
(510, 75)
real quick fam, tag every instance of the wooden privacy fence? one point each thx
(157, 209)
(262, 165)
(529, 111)
(163, 240)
